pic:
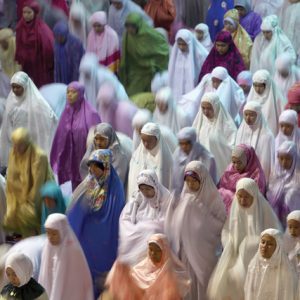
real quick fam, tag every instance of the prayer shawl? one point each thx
(294, 99)
(106, 44)
(266, 7)
(232, 60)
(184, 67)
(206, 40)
(93, 6)
(253, 169)
(217, 135)
(240, 238)
(67, 56)
(194, 214)
(139, 64)
(69, 144)
(34, 47)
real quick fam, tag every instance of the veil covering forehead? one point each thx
(206, 40)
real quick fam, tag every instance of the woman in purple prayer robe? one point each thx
(69, 143)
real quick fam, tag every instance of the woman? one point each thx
(255, 132)
(250, 214)
(239, 35)
(143, 215)
(268, 45)
(266, 7)
(69, 142)
(2, 207)
(224, 54)
(34, 45)
(200, 212)
(26, 107)
(140, 63)
(105, 137)
(160, 275)
(64, 270)
(152, 153)
(93, 6)
(202, 35)
(215, 130)
(68, 51)
(283, 192)
(104, 42)
(265, 92)
(270, 270)
(94, 216)
(244, 163)
(185, 63)
(244, 80)
(7, 52)
(294, 99)
(28, 169)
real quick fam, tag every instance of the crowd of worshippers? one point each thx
(150, 149)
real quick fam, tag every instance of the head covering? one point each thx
(32, 112)
(218, 134)
(294, 98)
(265, 277)
(69, 263)
(232, 60)
(67, 56)
(206, 40)
(244, 78)
(141, 117)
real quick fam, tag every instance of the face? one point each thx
(87, 76)
(285, 160)
(199, 35)
(131, 29)
(17, 89)
(4, 44)
(185, 146)
(244, 198)
(98, 28)
(72, 95)
(182, 45)
(101, 142)
(162, 107)
(229, 27)
(216, 82)
(268, 35)
(267, 246)
(20, 148)
(149, 141)
(117, 5)
(60, 39)
(245, 88)
(207, 110)
(295, 107)
(12, 277)
(294, 228)
(95, 170)
(147, 190)
(76, 23)
(286, 128)
(259, 87)
(250, 117)
(241, 10)
(28, 14)
(192, 183)
(53, 236)
(284, 73)
(238, 164)
(222, 48)
(154, 253)
(50, 202)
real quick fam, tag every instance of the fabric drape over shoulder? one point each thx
(294, 99)
(206, 40)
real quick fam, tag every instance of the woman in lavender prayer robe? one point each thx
(69, 143)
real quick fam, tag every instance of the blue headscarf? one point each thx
(67, 56)
(51, 190)
(94, 215)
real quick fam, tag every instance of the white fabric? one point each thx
(30, 111)
(206, 40)
(271, 278)
(158, 159)
(173, 118)
(159, 81)
(184, 67)
(94, 5)
(264, 52)
(240, 239)
(259, 136)
(266, 7)
(271, 100)
(194, 229)
(217, 135)
(141, 218)
(64, 270)
(2, 207)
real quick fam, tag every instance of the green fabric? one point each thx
(143, 54)
(144, 100)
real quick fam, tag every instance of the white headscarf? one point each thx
(30, 111)
(271, 278)
(184, 67)
(173, 118)
(271, 100)
(142, 217)
(266, 7)
(264, 52)
(240, 240)
(218, 134)
(64, 270)
(206, 41)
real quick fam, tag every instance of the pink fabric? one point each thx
(294, 98)
(61, 4)
(227, 184)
